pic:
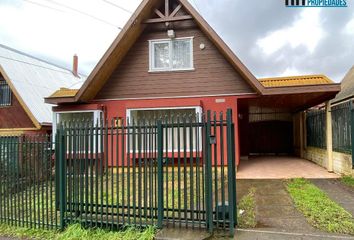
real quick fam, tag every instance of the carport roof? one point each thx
(295, 81)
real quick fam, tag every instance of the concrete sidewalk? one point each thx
(274, 235)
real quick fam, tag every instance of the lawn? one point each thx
(348, 180)
(131, 193)
(319, 210)
(246, 214)
(77, 232)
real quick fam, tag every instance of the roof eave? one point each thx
(333, 88)
(59, 100)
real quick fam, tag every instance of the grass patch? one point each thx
(246, 214)
(348, 180)
(319, 210)
(77, 232)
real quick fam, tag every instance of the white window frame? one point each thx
(198, 110)
(170, 68)
(96, 119)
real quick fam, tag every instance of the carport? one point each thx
(274, 124)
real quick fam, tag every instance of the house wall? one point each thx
(213, 74)
(118, 108)
(342, 163)
(14, 116)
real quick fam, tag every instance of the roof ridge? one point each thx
(36, 58)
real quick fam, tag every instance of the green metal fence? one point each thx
(27, 196)
(342, 126)
(171, 171)
(316, 128)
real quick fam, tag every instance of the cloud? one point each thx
(269, 38)
(349, 28)
(306, 30)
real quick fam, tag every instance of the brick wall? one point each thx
(342, 163)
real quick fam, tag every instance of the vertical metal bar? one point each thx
(197, 175)
(179, 205)
(123, 135)
(106, 167)
(191, 165)
(231, 177)
(146, 152)
(215, 127)
(208, 176)
(352, 130)
(140, 136)
(185, 186)
(166, 191)
(160, 215)
(86, 168)
(129, 150)
(93, 173)
(172, 121)
(134, 171)
(117, 171)
(62, 175)
(222, 159)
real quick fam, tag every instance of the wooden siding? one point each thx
(213, 74)
(14, 116)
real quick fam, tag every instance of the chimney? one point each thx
(75, 65)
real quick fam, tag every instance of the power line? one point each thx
(36, 65)
(116, 5)
(42, 5)
(84, 13)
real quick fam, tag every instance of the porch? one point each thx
(280, 167)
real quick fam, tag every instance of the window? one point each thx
(186, 137)
(5, 94)
(171, 55)
(75, 117)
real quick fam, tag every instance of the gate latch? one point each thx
(212, 140)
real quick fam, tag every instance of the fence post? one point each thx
(329, 140)
(62, 175)
(208, 176)
(352, 130)
(160, 211)
(231, 170)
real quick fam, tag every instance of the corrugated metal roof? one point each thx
(35, 79)
(347, 87)
(64, 92)
(295, 81)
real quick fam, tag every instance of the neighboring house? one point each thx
(167, 59)
(24, 82)
(341, 132)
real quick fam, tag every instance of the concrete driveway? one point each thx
(280, 167)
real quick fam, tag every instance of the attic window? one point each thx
(5, 94)
(171, 55)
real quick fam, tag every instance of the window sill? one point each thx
(5, 106)
(172, 70)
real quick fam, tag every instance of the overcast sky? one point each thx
(269, 38)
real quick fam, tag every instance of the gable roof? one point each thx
(128, 36)
(31, 79)
(347, 87)
(295, 81)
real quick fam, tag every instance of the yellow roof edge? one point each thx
(296, 77)
(64, 92)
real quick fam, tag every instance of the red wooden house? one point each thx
(167, 59)
(24, 82)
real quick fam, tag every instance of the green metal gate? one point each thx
(170, 171)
